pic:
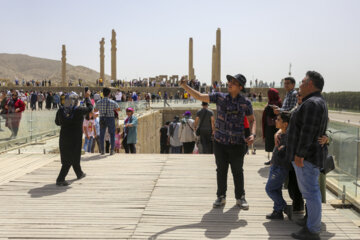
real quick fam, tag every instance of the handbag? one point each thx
(329, 164)
(197, 133)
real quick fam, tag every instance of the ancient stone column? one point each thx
(191, 63)
(213, 65)
(63, 66)
(102, 61)
(218, 55)
(113, 55)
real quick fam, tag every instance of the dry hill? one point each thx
(26, 67)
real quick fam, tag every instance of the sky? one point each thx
(259, 37)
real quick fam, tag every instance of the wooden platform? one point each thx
(141, 197)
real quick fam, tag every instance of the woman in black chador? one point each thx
(70, 117)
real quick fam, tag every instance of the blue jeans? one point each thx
(308, 181)
(273, 187)
(110, 125)
(176, 149)
(88, 144)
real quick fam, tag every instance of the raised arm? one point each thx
(197, 95)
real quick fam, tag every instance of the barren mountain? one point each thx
(26, 67)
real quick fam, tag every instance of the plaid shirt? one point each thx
(229, 123)
(307, 123)
(289, 101)
(106, 107)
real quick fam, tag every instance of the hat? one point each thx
(239, 78)
(187, 113)
(129, 109)
(204, 103)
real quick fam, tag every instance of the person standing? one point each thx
(205, 126)
(268, 121)
(70, 118)
(106, 108)
(164, 142)
(173, 134)
(187, 133)
(40, 99)
(14, 107)
(309, 122)
(229, 139)
(89, 131)
(33, 100)
(290, 99)
(130, 131)
(49, 100)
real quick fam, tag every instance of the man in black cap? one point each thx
(205, 128)
(229, 139)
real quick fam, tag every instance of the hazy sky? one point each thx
(259, 38)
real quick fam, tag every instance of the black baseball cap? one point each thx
(239, 78)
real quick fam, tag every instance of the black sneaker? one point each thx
(62, 184)
(288, 210)
(275, 215)
(82, 176)
(267, 163)
(112, 152)
(242, 203)
(102, 153)
(302, 221)
(305, 234)
(219, 202)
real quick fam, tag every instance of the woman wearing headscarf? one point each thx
(14, 107)
(186, 133)
(70, 117)
(130, 131)
(268, 121)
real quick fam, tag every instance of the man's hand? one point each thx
(17, 110)
(250, 140)
(277, 138)
(299, 161)
(183, 81)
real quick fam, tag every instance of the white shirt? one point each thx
(186, 131)
(175, 140)
(118, 96)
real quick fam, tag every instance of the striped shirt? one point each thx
(229, 123)
(106, 107)
(289, 101)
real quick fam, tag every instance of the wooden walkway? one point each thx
(140, 197)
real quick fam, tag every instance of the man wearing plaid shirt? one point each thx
(290, 98)
(307, 124)
(106, 108)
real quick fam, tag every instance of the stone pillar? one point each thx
(63, 66)
(113, 56)
(102, 62)
(213, 65)
(218, 55)
(191, 63)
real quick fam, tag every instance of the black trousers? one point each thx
(233, 155)
(294, 191)
(129, 147)
(65, 170)
(206, 141)
(188, 147)
(164, 148)
(107, 146)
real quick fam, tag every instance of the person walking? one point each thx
(164, 141)
(229, 139)
(173, 134)
(309, 122)
(106, 108)
(268, 121)
(187, 133)
(205, 128)
(89, 131)
(70, 118)
(130, 131)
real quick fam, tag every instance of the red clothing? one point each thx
(246, 123)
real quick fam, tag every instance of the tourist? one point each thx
(290, 99)
(268, 121)
(117, 140)
(308, 122)
(49, 100)
(14, 108)
(40, 99)
(97, 132)
(278, 172)
(89, 131)
(173, 134)
(130, 131)
(70, 117)
(187, 133)
(106, 108)
(205, 128)
(164, 140)
(229, 139)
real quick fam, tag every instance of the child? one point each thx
(117, 140)
(89, 131)
(278, 172)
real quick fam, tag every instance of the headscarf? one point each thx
(70, 104)
(273, 99)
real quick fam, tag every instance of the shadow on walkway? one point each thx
(49, 190)
(218, 224)
(264, 172)
(278, 229)
(93, 157)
